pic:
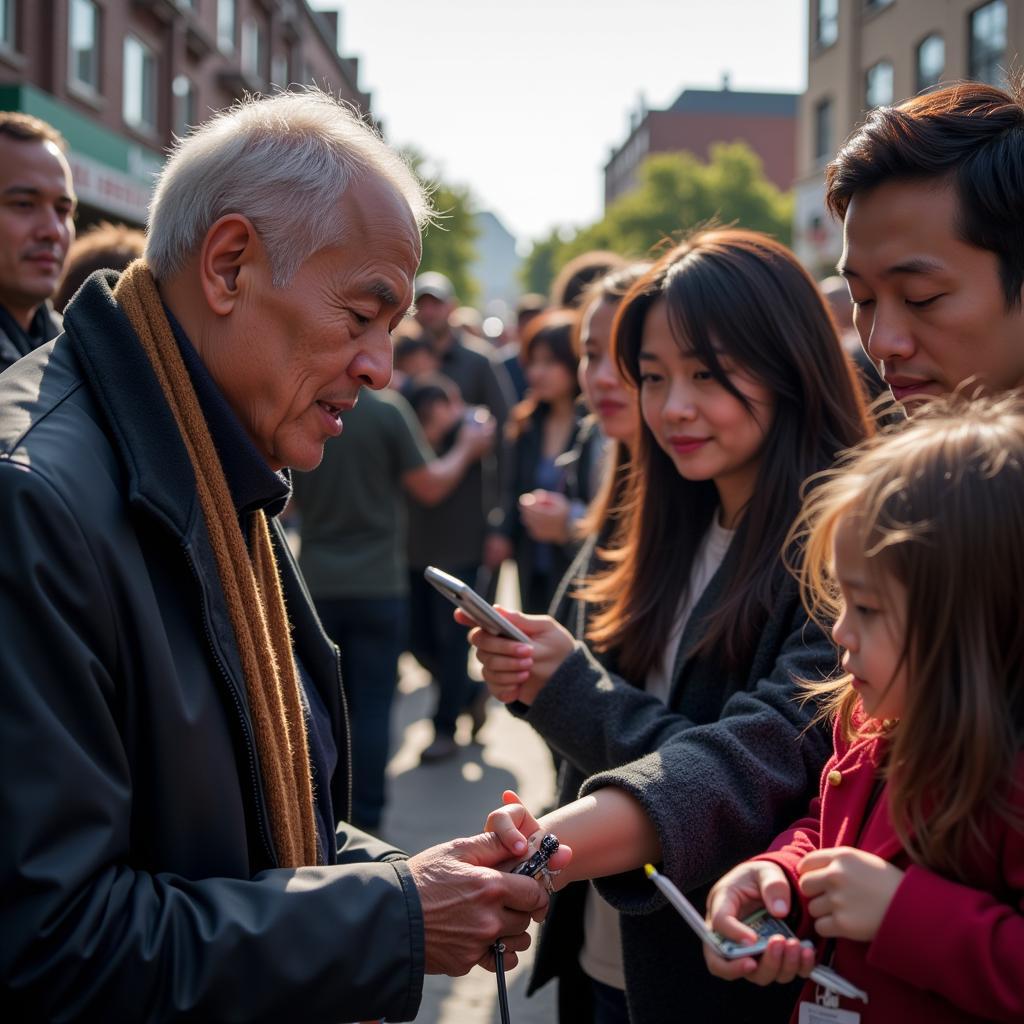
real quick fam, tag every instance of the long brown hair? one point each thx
(742, 296)
(939, 506)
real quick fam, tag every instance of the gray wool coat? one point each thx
(729, 762)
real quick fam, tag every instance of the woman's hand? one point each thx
(746, 888)
(513, 670)
(849, 891)
(545, 514)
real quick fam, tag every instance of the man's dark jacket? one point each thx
(137, 879)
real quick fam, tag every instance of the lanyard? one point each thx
(499, 972)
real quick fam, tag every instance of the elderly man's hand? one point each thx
(468, 904)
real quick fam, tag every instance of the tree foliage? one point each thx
(449, 246)
(676, 192)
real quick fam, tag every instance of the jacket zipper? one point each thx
(254, 777)
(348, 732)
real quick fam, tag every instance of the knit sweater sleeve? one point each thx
(718, 792)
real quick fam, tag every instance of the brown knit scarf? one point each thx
(251, 586)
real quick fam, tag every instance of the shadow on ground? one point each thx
(429, 804)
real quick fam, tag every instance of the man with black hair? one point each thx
(37, 210)
(931, 195)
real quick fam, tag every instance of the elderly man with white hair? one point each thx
(173, 737)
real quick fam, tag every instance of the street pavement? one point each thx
(428, 804)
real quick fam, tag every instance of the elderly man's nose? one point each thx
(372, 365)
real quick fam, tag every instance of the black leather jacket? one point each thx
(137, 881)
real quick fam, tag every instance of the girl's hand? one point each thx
(517, 671)
(520, 832)
(849, 891)
(746, 888)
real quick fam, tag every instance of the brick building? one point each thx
(119, 78)
(766, 121)
(867, 53)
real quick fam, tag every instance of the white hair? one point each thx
(283, 162)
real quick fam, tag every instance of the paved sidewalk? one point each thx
(432, 803)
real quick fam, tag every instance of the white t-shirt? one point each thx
(601, 955)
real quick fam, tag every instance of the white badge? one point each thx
(812, 1013)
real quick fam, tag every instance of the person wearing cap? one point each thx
(37, 225)
(458, 534)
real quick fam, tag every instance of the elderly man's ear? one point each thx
(230, 250)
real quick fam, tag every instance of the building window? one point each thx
(254, 48)
(826, 22)
(823, 130)
(8, 26)
(931, 61)
(279, 70)
(186, 108)
(988, 43)
(139, 107)
(226, 25)
(84, 45)
(875, 5)
(878, 89)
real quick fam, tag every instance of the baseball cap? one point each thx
(435, 285)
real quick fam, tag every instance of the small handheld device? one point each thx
(482, 613)
(761, 922)
(539, 861)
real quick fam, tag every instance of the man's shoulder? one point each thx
(48, 421)
(32, 389)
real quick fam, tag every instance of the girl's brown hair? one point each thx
(736, 295)
(939, 505)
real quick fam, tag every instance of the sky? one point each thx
(522, 101)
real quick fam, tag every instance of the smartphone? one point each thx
(482, 613)
(760, 921)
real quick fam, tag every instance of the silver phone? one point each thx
(482, 613)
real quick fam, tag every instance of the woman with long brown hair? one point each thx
(676, 716)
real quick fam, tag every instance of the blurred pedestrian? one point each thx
(414, 357)
(104, 246)
(459, 534)
(572, 280)
(542, 429)
(353, 558)
(37, 224)
(837, 296)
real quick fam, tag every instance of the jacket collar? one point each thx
(124, 384)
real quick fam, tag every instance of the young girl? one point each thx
(910, 865)
(677, 712)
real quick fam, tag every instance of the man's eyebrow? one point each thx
(914, 265)
(383, 291)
